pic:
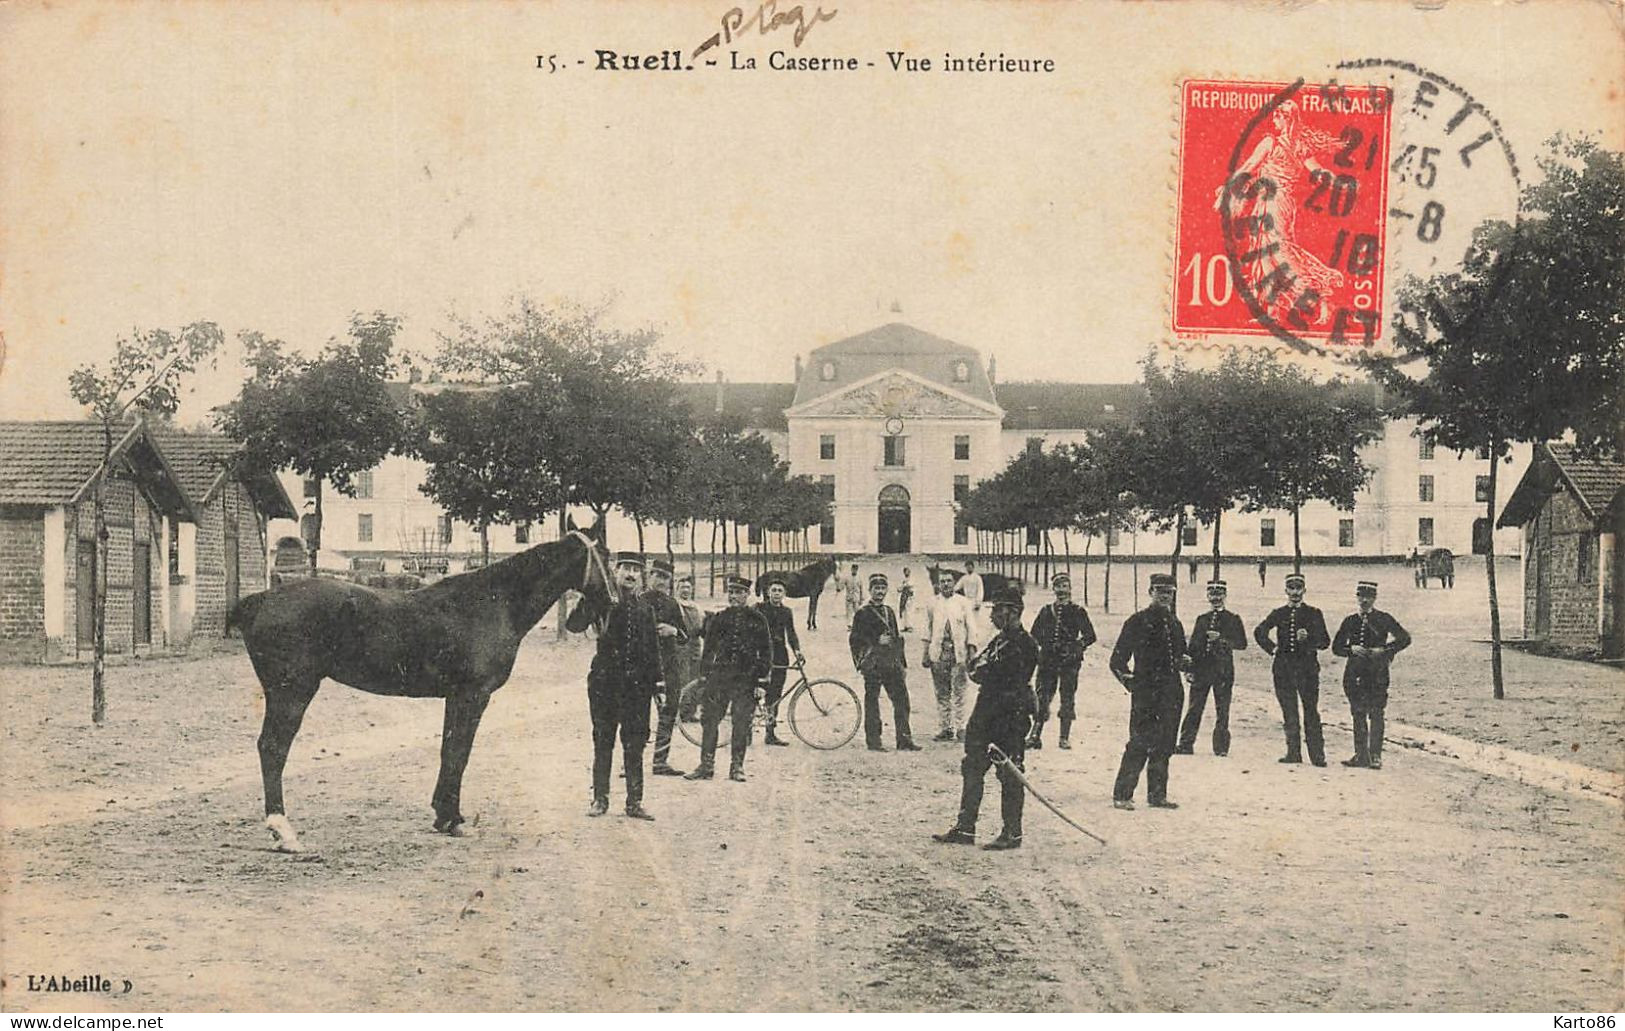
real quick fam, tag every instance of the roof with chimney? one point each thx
(835, 367)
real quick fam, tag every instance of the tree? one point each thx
(145, 372)
(1310, 436)
(1524, 342)
(327, 418)
(1101, 466)
(484, 463)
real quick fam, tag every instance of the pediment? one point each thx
(899, 394)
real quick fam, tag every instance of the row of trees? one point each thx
(553, 410)
(1251, 434)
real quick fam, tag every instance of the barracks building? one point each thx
(897, 423)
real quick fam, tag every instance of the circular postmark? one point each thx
(1335, 193)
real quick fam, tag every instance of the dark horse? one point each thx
(807, 582)
(455, 639)
(1437, 563)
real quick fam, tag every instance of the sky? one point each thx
(275, 167)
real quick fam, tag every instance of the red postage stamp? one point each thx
(1281, 211)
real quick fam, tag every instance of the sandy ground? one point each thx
(135, 851)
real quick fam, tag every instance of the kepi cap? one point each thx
(1061, 580)
(879, 578)
(1365, 588)
(1162, 580)
(735, 582)
(1217, 585)
(1295, 580)
(661, 565)
(1008, 596)
(629, 558)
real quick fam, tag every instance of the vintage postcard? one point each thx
(812, 507)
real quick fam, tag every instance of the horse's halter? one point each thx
(595, 562)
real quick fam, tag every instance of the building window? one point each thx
(826, 447)
(753, 534)
(961, 489)
(1484, 453)
(961, 531)
(826, 529)
(1266, 533)
(521, 533)
(174, 548)
(826, 372)
(1424, 531)
(1188, 535)
(363, 528)
(961, 372)
(312, 486)
(1481, 488)
(1114, 536)
(1424, 450)
(1424, 488)
(1345, 533)
(1586, 569)
(894, 451)
(677, 533)
(363, 484)
(962, 447)
(445, 529)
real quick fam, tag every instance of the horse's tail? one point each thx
(241, 615)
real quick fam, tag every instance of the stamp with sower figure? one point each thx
(1282, 200)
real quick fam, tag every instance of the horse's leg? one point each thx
(286, 700)
(463, 712)
(812, 610)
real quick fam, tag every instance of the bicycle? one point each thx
(824, 713)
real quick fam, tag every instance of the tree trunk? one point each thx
(563, 608)
(1297, 546)
(713, 577)
(1489, 565)
(1088, 543)
(1106, 595)
(485, 544)
(1136, 541)
(1179, 544)
(1066, 549)
(98, 662)
(1218, 518)
(638, 521)
(316, 528)
(693, 566)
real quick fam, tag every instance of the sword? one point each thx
(996, 753)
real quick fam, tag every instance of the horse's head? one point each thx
(597, 590)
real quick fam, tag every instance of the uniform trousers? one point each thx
(1050, 679)
(720, 694)
(624, 708)
(1368, 700)
(948, 679)
(668, 712)
(1010, 734)
(1299, 683)
(896, 687)
(1153, 727)
(1221, 685)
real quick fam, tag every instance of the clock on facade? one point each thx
(894, 426)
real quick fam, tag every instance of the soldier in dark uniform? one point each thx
(1300, 632)
(672, 632)
(877, 653)
(781, 629)
(1004, 709)
(735, 666)
(1063, 633)
(1214, 636)
(1153, 640)
(625, 675)
(1369, 639)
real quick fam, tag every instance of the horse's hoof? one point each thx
(283, 837)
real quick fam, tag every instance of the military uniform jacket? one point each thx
(781, 631)
(1286, 621)
(1377, 630)
(736, 645)
(1149, 648)
(1211, 659)
(1062, 632)
(868, 654)
(1004, 673)
(668, 610)
(628, 657)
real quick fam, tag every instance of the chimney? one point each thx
(798, 368)
(992, 369)
(719, 391)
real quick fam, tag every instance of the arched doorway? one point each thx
(1481, 536)
(894, 520)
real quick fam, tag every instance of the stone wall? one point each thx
(1559, 529)
(22, 584)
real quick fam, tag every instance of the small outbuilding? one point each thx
(1572, 512)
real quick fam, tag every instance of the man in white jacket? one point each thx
(970, 586)
(948, 651)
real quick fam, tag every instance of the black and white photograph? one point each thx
(910, 508)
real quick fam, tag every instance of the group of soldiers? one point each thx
(648, 649)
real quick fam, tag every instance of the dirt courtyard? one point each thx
(1457, 878)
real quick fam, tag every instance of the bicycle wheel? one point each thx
(825, 714)
(689, 712)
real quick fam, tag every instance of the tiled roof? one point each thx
(893, 346)
(200, 459)
(1596, 482)
(760, 405)
(1068, 406)
(50, 463)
